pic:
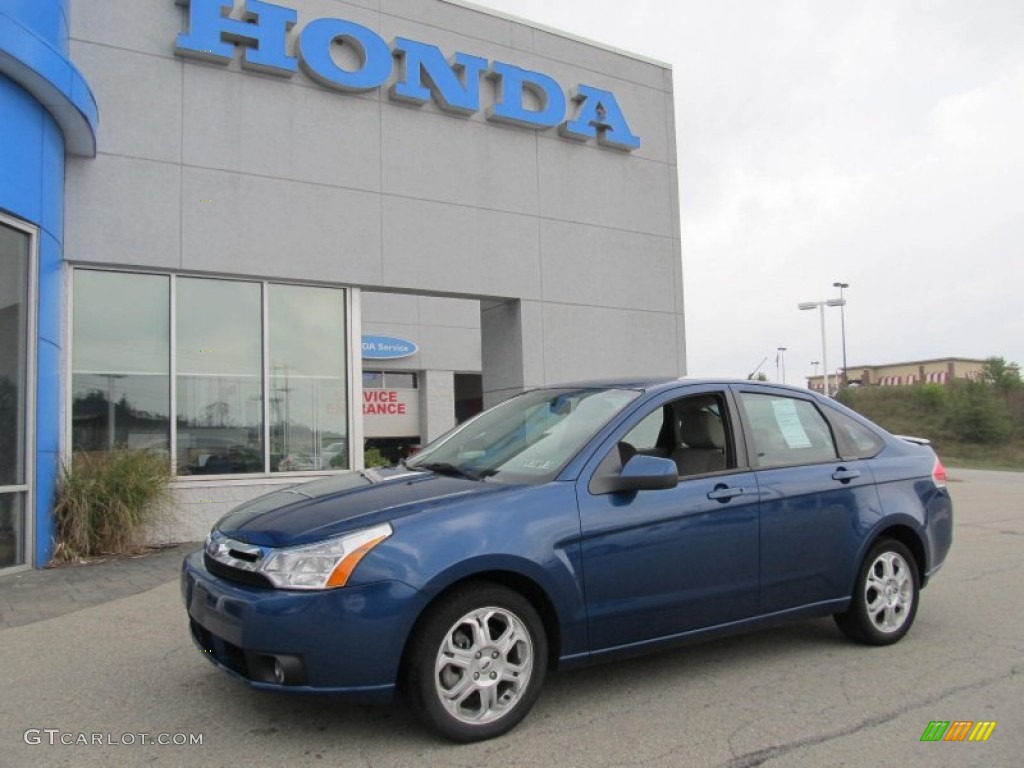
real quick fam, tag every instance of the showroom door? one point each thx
(16, 249)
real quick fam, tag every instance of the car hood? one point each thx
(320, 509)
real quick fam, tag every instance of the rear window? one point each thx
(856, 441)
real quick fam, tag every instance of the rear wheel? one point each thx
(885, 596)
(477, 662)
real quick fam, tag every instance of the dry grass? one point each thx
(105, 499)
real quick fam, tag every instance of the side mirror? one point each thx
(641, 473)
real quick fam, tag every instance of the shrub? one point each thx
(372, 457)
(976, 415)
(930, 397)
(105, 499)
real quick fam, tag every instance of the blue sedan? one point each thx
(568, 525)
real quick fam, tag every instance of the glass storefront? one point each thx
(259, 372)
(219, 368)
(308, 392)
(15, 271)
(120, 390)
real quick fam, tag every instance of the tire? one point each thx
(476, 663)
(885, 597)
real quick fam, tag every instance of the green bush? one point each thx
(930, 397)
(976, 415)
(372, 457)
(105, 499)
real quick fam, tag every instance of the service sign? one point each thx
(387, 348)
(272, 42)
(391, 412)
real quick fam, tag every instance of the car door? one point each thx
(658, 563)
(816, 507)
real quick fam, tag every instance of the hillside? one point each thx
(970, 423)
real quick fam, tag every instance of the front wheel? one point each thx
(885, 596)
(476, 664)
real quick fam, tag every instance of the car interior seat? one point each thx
(703, 443)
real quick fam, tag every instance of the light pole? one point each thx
(842, 320)
(780, 360)
(820, 305)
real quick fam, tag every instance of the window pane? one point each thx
(396, 380)
(373, 380)
(644, 436)
(860, 442)
(787, 430)
(12, 529)
(690, 431)
(219, 355)
(308, 395)
(14, 260)
(120, 361)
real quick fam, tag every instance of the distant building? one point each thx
(938, 371)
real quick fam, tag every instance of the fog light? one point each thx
(276, 668)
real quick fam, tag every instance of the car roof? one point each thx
(658, 383)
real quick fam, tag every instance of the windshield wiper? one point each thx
(445, 468)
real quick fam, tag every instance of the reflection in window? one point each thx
(12, 529)
(861, 442)
(307, 395)
(120, 362)
(14, 255)
(787, 430)
(14, 276)
(399, 380)
(219, 377)
(389, 380)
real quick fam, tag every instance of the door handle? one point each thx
(723, 493)
(844, 475)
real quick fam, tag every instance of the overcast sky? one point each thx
(878, 143)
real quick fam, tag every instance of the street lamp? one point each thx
(820, 305)
(842, 320)
(780, 359)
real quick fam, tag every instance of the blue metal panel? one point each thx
(51, 186)
(47, 110)
(49, 287)
(46, 18)
(33, 53)
(21, 147)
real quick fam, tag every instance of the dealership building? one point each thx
(272, 241)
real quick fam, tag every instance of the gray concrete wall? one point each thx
(447, 331)
(213, 169)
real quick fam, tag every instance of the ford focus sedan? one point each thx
(569, 525)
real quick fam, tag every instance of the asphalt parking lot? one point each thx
(124, 671)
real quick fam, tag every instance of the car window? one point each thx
(787, 430)
(856, 440)
(528, 438)
(691, 431)
(644, 436)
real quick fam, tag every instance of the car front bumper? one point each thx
(344, 641)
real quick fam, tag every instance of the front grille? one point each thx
(251, 578)
(276, 668)
(228, 654)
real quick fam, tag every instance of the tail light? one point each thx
(939, 474)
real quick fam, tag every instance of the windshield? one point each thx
(528, 438)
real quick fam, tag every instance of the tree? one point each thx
(1005, 376)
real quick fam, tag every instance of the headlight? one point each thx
(324, 565)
